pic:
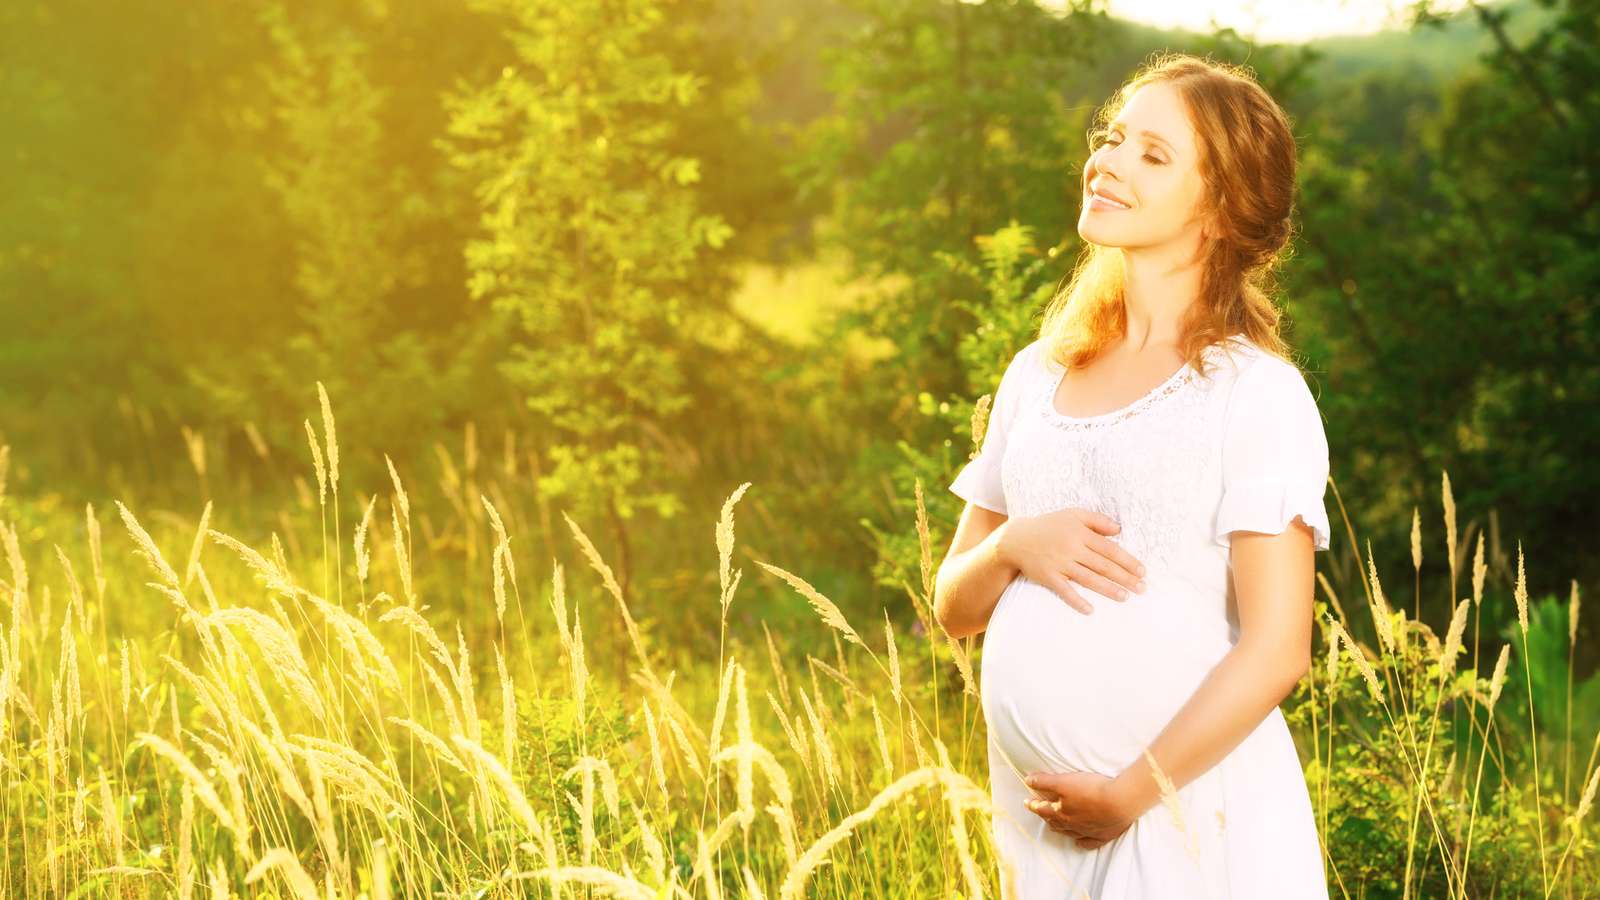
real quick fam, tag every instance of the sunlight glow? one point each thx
(1274, 22)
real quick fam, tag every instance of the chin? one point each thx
(1096, 236)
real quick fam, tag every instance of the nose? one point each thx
(1106, 162)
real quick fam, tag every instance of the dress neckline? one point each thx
(1048, 406)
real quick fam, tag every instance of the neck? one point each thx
(1159, 286)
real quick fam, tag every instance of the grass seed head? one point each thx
(1521, 593)
(1449, 521)
(1572, 615)
(1479, 571)
(825, 608)
(316, 462)
(1498, 681)
(332, 437)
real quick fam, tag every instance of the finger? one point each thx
(1052, 815)
(1063, 589)
(1050, 810)
(1101, 523)
(1094, 581)
(1112, 571)
(1043, 794)
(1130, 569)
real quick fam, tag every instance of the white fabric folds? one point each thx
(978, 481)
(1274, 456)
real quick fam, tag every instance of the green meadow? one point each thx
(501, 450)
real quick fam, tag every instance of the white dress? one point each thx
(1179, 469)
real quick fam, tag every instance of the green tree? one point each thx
(80, 106)
(1449, 280)
(249, 201)
(1016, 285)
(950, 120)
(358, 220)
(595, 247)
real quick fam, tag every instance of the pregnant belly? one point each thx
(1063, 691)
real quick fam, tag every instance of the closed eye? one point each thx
(1104, 140)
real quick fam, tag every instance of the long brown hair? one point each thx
(1247, 163)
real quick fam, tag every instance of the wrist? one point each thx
(1134, 791)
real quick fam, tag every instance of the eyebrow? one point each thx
(1146, 133)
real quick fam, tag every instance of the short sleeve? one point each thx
(1274, 455)
(979, 480)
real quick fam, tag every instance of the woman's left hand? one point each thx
(1080, 805)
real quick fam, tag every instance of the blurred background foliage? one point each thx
(635, 253)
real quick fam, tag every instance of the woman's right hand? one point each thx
(1069, 545)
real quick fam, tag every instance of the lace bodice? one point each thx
(1180, 468)
(1174, 383)
(1142, 465)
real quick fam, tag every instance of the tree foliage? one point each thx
(596, 248)
(1447, 290)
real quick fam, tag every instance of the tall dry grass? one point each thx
(247, 722)
(277, 730)
(1391, 715)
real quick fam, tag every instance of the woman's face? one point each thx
(1148, 158)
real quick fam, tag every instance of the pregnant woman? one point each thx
(1141, 524)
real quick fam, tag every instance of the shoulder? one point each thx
(1022, 374)
(1269, 404)
(1244, 363)
(1260, 389)
(1035, 354)
(1030, 363)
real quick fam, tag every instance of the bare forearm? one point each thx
(1240, 692)
(969, 584)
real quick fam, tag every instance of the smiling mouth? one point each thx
(1101, 201)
